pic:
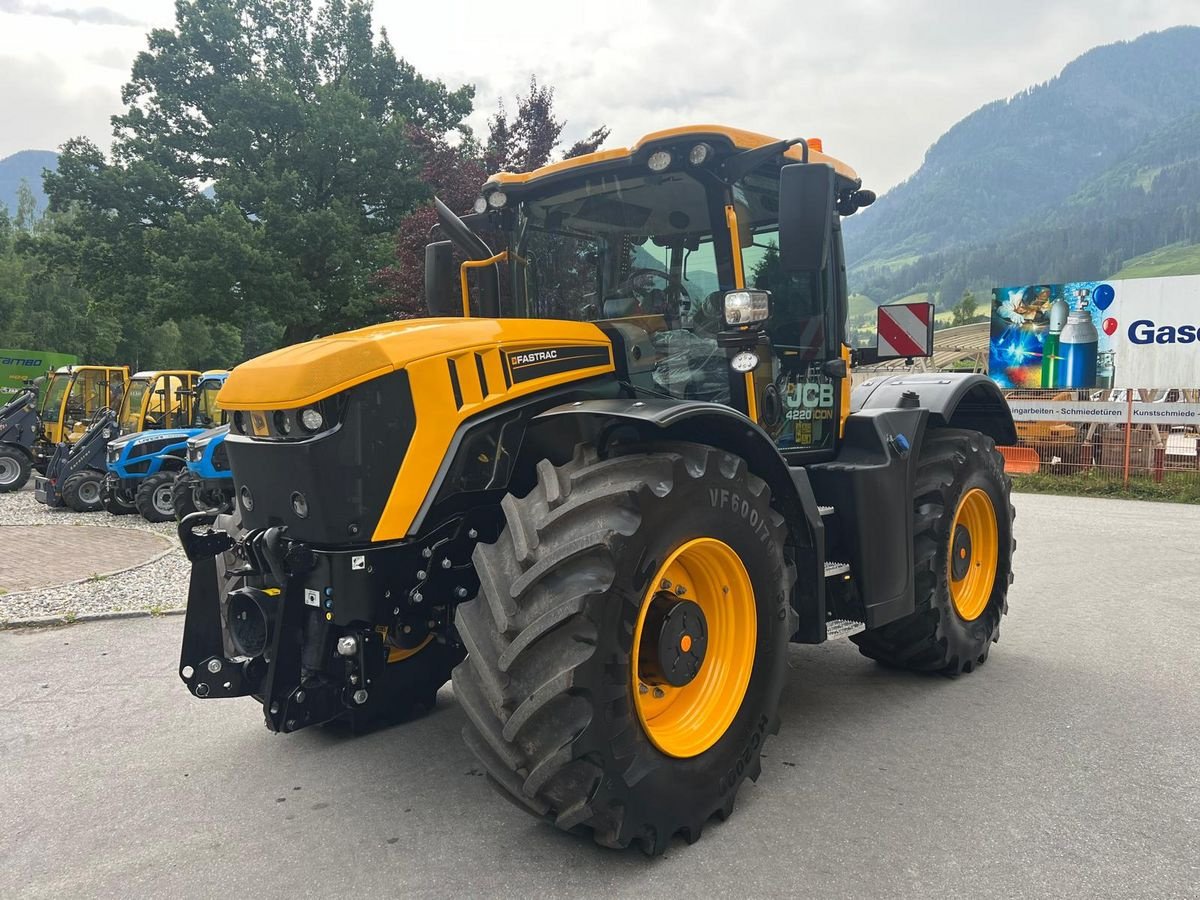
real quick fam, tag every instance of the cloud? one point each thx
(88, 15)
(41, 111)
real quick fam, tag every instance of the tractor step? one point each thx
(836, 568)
(825, 511)
(841, 628)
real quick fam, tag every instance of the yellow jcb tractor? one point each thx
(606, 484)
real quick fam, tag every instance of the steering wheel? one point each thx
(638, 284)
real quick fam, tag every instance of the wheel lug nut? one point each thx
(642, 689)
(658, 693)
(680, 590)
(664, 585)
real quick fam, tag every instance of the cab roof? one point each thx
(735, 137)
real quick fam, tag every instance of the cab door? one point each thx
(799, 383)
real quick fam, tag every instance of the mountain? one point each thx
(27, 165)
(1069, 179)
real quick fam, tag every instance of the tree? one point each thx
(260, 168)
(964, 312)
(456, 173)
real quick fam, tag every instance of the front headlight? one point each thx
(747, 307)
(311, 419)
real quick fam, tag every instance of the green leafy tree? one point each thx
(256, 177)
(965, 310)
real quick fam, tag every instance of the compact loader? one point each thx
(31, 430)
(609, 480)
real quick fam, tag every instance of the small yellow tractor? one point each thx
(608, 481)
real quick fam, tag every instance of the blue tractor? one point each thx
(207, 482)
(142, 466)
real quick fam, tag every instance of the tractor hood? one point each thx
(307, 373)
(205, 437)
(138, 438)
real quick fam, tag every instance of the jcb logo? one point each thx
(810, 394)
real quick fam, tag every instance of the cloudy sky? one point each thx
(878, 80)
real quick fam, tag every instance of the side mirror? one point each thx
(806, 194)
(442, 297)
(905, 331)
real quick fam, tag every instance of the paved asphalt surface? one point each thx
(1065, 767)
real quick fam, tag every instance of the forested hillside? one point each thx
(1067, 180)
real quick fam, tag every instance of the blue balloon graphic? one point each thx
(1104, 295)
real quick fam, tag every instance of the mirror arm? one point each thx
(747, 161)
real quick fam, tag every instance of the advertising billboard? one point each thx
(1135, 333)
(18, 365)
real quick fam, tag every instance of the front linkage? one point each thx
(317, 634)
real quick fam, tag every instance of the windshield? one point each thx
(52, 400)
(208, 413)
(640, 252)
(131, 406)
(650, 256)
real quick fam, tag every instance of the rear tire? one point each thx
(81, 491)
(14, 469)
(553, 712)
(942, 635)
(154, 497)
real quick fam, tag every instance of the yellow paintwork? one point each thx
(739, 281)
(465, 285)
(844, 387)
(303, 374)
(743, 140)
(976, 514)
(686, 721)
(152, 403)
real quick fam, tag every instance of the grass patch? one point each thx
(1176, 487)
(93, 578)
(1174, 259)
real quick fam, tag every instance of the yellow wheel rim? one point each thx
(685, 721)
(974, 553)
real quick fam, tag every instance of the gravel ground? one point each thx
(155, 586)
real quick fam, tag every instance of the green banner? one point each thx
(18, 365)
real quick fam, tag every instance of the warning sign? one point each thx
(904, 330)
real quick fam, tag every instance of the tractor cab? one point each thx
(158, 400)
(73, 397)
(711, 259)
(142, 464)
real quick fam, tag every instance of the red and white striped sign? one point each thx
(904, 329)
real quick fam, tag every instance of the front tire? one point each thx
(962, 546)
(81, 492)
(154, 498)
(14, 470)
(570, 714)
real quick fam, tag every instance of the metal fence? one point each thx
(1124, 436)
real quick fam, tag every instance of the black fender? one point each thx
(14, 445)
(724, 427)
(954, 401)
(871, 481)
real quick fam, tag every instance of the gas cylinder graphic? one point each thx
(1050, 344)
(1077, 348)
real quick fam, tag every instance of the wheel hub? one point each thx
(960, 550)
(8, 470)
(674, 639)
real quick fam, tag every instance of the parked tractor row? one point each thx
(98, 438)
